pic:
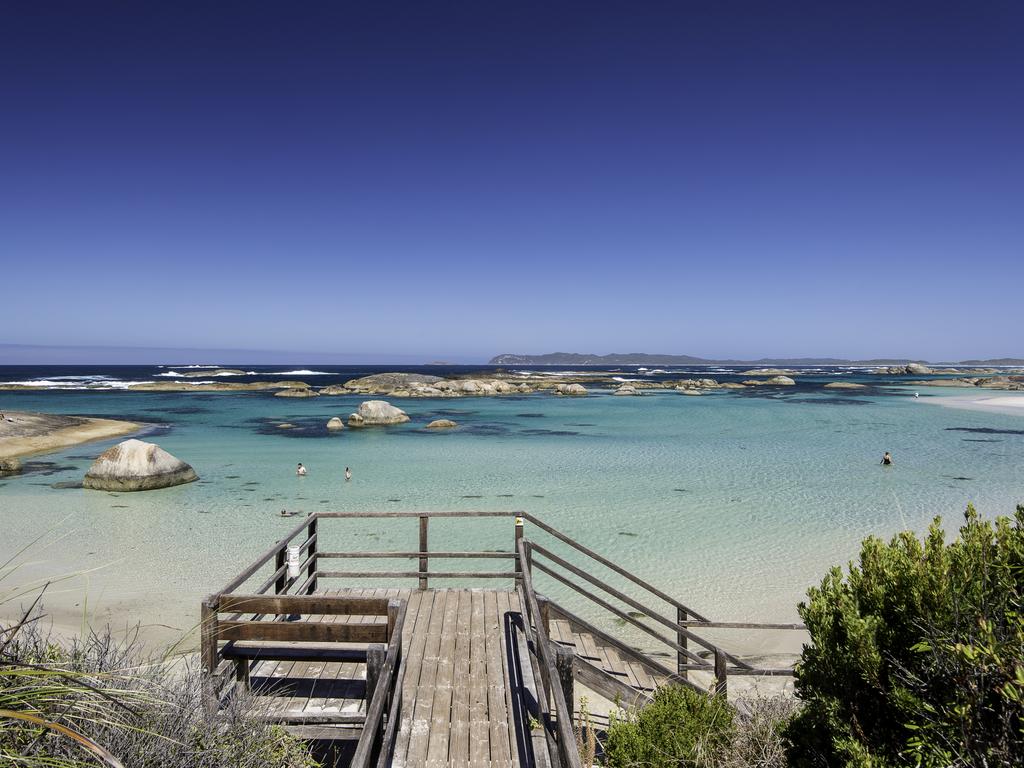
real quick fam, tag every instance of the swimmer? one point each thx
(348, 474)
(887, 459)
(916, 395)
(286, 513)
(301, 471)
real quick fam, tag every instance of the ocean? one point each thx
(734, 502)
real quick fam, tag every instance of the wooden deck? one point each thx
(456, 701)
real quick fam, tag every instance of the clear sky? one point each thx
(455, 180)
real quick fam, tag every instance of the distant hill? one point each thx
(644, 358)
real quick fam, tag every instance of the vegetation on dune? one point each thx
(99, 701)
(918, 653)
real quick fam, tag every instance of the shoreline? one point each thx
(29, 433)
(1007, 404)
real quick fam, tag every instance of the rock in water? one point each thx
(917, 369)
(10, 466)
(335, 423)
(442, 424)
(377, 412)
(573, 390)
(845, 385)
(297, 392)
(626, 390)
(134, 465)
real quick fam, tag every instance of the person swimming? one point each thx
(887, 459)
(348, 474)
(301, 471)
(286, 513)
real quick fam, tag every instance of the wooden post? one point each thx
(721, 684)
(394, 606)
(282, 581)
(563, 666)
(545, 614)
(424, 522)
(681, 639)
(242, 673)
(515, 549)
(375, 655)
(208, 651)
(311, 552)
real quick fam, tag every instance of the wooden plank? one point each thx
(458, 739)
(417, 574)
(497, 710)
(452, 555)
(420, 736)
(611, 687)
(505, 599)
(335, 676)
(304, 605)
(441, 711)
(414, 642)
(479, 731)
(299, 631)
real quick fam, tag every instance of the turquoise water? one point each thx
(735, 503)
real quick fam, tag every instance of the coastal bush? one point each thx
(680, 728)
(918, 653)
(100, 695)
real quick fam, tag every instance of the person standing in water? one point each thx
(348, 474)
(887, 459)
(301, 471)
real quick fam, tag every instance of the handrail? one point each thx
(389, 686)
(563, 710)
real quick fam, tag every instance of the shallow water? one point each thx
(734, 502)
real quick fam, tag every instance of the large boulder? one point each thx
(625, 389)
(134, 465)
(377, 413)
(917, 369)
(335, 422)
(845, 385)
(383, 383)
(573, 390)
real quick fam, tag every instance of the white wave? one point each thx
(302, 372)
(60, 382)
(175, 374)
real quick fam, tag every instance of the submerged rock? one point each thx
(335, 422)
(442, 424)
(377, 413)
(845, 385)
(134, 465)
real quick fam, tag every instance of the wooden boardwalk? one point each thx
(456, 700)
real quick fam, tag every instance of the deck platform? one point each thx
(456, 700)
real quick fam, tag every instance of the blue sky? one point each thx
(456, 180)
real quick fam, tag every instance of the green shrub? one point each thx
(680, 728)
(918, 653)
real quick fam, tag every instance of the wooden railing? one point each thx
(529, 557)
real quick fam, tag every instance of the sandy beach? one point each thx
(999, 404)
(24, 433)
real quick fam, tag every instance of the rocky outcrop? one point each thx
(384, 383)
(442, 424)
(297, 393)
(845, 385)
(774, 381)
(686, 391)
(335, 423)
(916, 369)
(626, 389)
(134, 465)
(377, 413)
(11, 466)
(572, 390)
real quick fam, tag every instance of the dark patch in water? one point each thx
(454, 412)
(627, 533)
(986, 430)
(825, 400)
(232, 477)
(504, 495)
(252, 482)
(394, 500)
(186, 410)
(557, 432)
(679, 490)
(271, 498)
(302, 427)
(324, 501)
(954, 477)
(486, 430)
(530, 415)
(537, 495)
(580, 424)
(119, 506)
(84, 457)
(472, 496)
(46, 468)
(204, 511)
(67, 484)
(979, 440)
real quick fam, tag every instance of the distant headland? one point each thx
(644, 358)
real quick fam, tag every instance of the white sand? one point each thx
(1000, 404)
